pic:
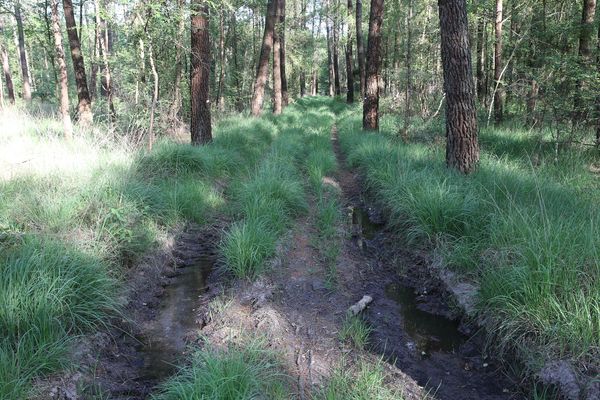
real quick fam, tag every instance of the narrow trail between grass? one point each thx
(413, 325)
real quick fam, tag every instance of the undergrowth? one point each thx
(524, 226)
(74, 214)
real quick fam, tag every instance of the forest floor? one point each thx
(236, 283)
(409, 343)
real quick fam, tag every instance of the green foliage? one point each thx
(78, 213)
(365, 381)
(47, 292)
(238, 373)
(524, 226)
(356, 331)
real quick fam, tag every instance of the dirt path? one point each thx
(413, 325)
(172, 302)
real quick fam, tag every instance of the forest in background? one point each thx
(100, 99)
(535, 61)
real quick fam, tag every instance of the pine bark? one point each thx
(22, 52)
(284, 85)
(480, 59)
(221, 87)
(360, 49)
(201, 131)
(10, 91)
(106, 85)
(330, 68)
(336, 60)
(262, 71)
(407, 112)
(84, 105)
(462, 147)
(373, 63)
(585, 56)
(349, 62)
(176, 100)
(62, 72)
(498, 66)
(277, 95)
(598, 97)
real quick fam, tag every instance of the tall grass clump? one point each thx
(364, 381)
(47, 292)
(74, 214)
(237, 373)
(524, 226)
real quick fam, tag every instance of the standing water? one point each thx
(429, 332)
(165, 340)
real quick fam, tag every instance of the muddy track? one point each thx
(162, 295)
(413, 325)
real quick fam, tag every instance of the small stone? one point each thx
(485, 365)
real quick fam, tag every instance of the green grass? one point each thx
(74, 215)
(524, 227)
(356, 331)
(365, 381)
(238, 373)
(274, 195)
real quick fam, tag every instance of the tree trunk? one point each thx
(62, 72)
(6, 68)
(94, 74)
(284, 85)
(330, 67)
(498, 65)
(277, 95)
(221, 87)
(349, 61)
(106, 81)
(84, 106)
(176, 100)
(598, 97)
(480, 59)
(262, 71)
(462, 148)
(154, 94)
(201, 130)
(360, 48)
(371, 102)
(336, 60)
(407, 114)
(585, 56)
(22, 55)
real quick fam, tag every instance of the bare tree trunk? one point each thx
(262, 70)
(360, 48)
(62, 69)
(284, 85)
(336, 60)
(6, 68)
(598, 97)
(462, 148)
(480, 58)
(349, 61)
(23, 56)
(201, 130)
(176, 100)
(106, 81)
(96, 55)
(84, 106)
(220, 87)
(330, 67)
(154, 94)
(498, 66)
(371, 102)
(277, 96)
(585, 56)
(407, 114)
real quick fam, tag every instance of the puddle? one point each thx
(175, 316)
(360, 219)
(429, 332)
